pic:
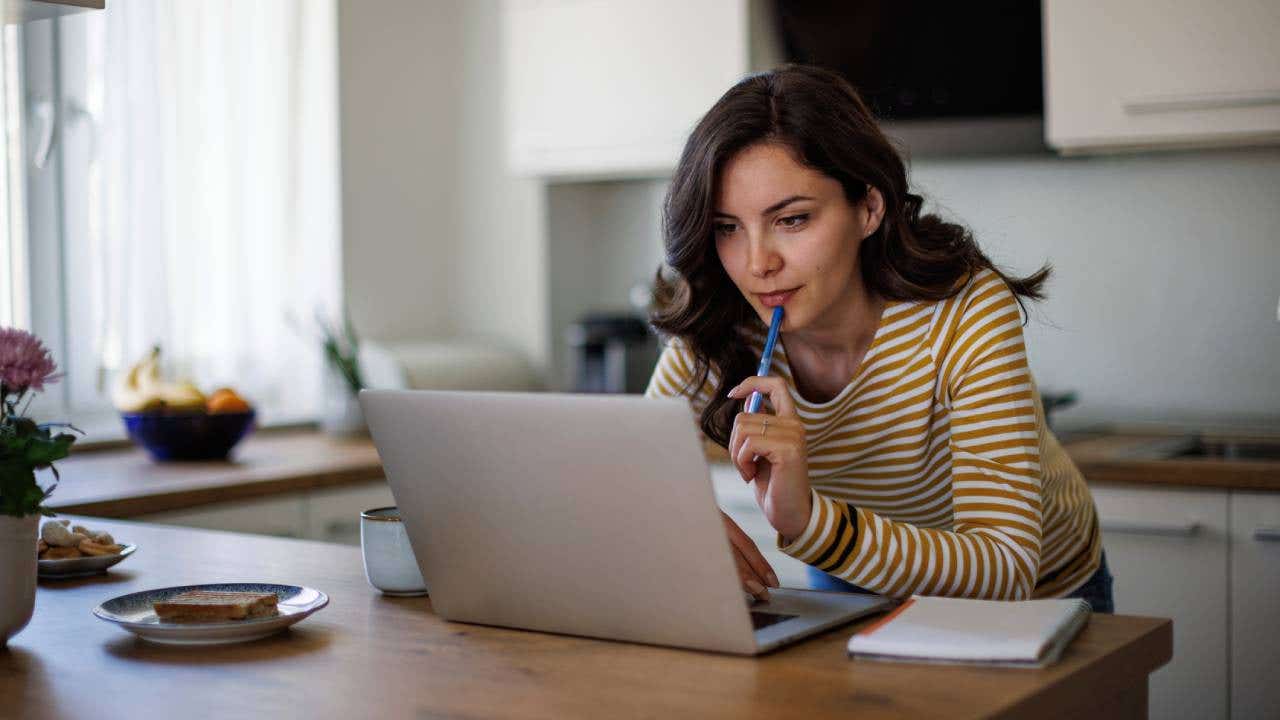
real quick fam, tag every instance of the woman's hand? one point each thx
(772, 451)
(753, 569)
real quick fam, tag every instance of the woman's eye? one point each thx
(725, 228)
(792, 221)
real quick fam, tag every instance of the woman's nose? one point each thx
(762, 261)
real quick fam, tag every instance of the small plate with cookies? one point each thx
(66, 551)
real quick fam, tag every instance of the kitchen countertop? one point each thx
(369, 655)
(1141, 459)
(125, 483)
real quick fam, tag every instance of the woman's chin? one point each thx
(789, 323)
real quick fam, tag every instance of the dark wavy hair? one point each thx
(821, 119)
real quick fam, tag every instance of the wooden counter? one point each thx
(127, 483)
(371, 656)
(124, 483)
(1116, 458)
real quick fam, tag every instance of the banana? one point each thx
(128, 394)
(182, 396)
(141, 389)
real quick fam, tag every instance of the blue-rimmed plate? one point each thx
(82, 566)
(134, 612)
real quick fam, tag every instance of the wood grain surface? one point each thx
(124, 483)
(1119, 459)
(127, 483)
(372, 656)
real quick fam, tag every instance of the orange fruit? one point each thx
(226, 400)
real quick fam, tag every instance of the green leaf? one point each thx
(40, 452)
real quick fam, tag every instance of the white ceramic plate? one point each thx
(134, 613)
(83, 566)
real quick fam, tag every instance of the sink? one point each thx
(1209, 447)
(1231, 449)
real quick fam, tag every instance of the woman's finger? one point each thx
(754, 449)
(735, 439)
(751, 554)
(771, 387)
(751, 582)
(745, 460)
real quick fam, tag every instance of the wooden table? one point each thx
(371, 656)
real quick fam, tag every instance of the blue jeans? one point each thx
(1096, 590)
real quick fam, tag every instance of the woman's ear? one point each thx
(871, 211)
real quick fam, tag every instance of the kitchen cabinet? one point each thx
(329, 515)
(1123, 74)
(1168, 552)
(612, 87)
(1255, 604)
(279, 515)
(333, 514)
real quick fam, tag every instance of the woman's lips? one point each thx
(778, 298)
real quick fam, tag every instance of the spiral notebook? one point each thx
(1026, 633)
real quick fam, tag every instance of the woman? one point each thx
(906, 451)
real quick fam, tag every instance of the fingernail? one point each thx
(773, 580)
(755, 587)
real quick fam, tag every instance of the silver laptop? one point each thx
(587, 515)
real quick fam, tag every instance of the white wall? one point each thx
(438, 240)
(399, 83)
(603, 238)
(1163, 304)
(501, 281)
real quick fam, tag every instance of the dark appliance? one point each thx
(913, 59)
(610, 353)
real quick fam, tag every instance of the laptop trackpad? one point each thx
(761, 619)
(809, 611)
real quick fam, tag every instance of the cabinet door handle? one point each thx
(1137, 527)
(1207, 101)
(1267, 534)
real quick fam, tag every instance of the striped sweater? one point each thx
(933, 471)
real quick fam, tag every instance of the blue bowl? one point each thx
(193, 436)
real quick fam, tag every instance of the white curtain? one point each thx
(212, 210)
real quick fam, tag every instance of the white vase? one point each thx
(17, 573)
(342, 415)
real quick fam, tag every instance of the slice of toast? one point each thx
(206, 605)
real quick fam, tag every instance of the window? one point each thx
(189, 197)
(14, 293)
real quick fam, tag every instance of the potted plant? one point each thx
(25, 448)
(342, 415)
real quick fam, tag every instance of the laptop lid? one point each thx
(588, 515)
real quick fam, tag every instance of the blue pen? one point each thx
(753, 402)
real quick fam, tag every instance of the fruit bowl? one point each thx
(188, 436)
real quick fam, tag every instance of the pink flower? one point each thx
(25, 363)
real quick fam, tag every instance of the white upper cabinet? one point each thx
(600, 88)
(1123, 74)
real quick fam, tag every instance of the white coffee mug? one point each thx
(389, 563)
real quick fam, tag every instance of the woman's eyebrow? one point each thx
(771, 209)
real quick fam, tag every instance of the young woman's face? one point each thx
(787, 236)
